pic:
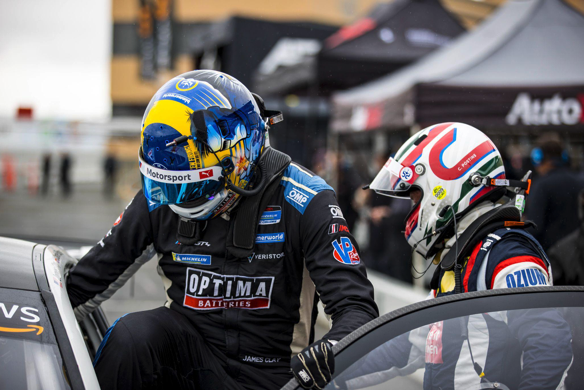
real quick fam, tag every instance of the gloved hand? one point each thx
(315, 365)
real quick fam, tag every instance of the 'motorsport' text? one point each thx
(207, 290)
(172, 178)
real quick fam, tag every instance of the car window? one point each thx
(29, 354)
(495, 349)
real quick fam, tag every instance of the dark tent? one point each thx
(237, 45)
(392, 36)
(521, 68)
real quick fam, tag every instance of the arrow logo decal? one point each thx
(31, 328)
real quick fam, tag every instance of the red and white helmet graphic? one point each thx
(439, 161)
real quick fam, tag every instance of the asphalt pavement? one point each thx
(77, 223)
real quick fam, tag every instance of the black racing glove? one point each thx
(315, 365)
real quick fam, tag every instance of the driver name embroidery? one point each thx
(434, 344)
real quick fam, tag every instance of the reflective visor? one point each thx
(174, 187)
(394, 179)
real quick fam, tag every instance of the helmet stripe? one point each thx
(417, 151)
(171, 113)
(459, 169)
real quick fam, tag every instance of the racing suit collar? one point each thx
(463, 224)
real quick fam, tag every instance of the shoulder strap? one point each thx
(244, 221)
(484, 225)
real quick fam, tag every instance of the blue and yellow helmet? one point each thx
(201, 129)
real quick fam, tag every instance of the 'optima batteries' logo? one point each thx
(207, 290)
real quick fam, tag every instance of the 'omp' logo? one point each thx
(186, 84)
(270, 237)
(207, 290)
(336, 211)
(297, 197)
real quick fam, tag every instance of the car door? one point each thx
(488, 339)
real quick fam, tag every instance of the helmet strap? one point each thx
(245, 219)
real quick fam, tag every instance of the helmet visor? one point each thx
(394, 180)
(175, 187)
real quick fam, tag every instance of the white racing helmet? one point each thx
(439, 161)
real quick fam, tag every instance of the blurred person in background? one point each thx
(9, 175)
(553, 199)
(460, 220)
(567, 255)
(46, 174)
(110, 170)
(513, 161)
(247, 243)
(567, 258)
(65, 175)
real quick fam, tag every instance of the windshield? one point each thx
(528, 348)
(29, 354)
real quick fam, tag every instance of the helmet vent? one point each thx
(419, 140)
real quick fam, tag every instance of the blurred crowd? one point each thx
(53, 173)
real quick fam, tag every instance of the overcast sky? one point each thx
(55, 57)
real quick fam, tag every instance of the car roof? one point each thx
(16, 264)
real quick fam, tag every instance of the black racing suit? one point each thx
(252, 313)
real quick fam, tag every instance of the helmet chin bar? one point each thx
(199, 212)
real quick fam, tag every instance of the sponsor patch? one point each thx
(191, 259)
(526, 278)
(207, 290)
(406, 173)
(336, 228)
(434, 344)
(298, 197)
(486, 245)
(198, 243)
(439, 192)
(271, 216)
(304, 376)
(186, 84)
(345, 252)
(265, 256)
(116, 223)
(336, 211)
(178, 96)
(267, 238)
(206, 174)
